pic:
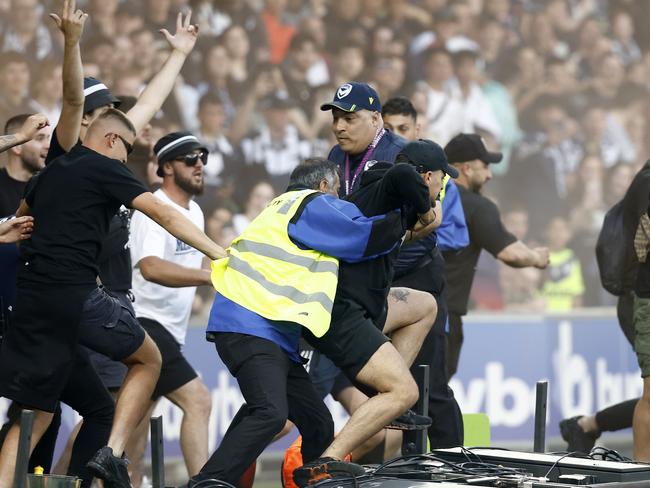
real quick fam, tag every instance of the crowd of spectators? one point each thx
(561, 87)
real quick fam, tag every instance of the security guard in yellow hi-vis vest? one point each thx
(280, 275)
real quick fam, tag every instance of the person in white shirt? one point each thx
(443, 115)
(166, 272)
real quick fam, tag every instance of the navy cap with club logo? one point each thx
(354, 96)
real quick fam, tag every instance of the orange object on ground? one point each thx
(293, 460)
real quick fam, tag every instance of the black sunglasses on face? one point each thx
(128, 146)
(192, 159)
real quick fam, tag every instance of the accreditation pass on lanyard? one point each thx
(349, 183)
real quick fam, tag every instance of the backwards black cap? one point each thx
(96, 94)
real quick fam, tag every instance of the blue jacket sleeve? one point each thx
(452, 233)
(338, 228)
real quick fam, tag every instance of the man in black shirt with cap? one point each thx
(57, 275)
(467, 152)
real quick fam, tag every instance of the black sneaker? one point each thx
(577, 439)
(326, 468)
(410, 421)
(111, 469)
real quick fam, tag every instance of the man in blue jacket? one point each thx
(359, 130)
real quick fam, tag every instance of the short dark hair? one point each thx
(298, 40)
(312, 171)
(115, 114)
(399, 106)
(209, 98)
(15, 123)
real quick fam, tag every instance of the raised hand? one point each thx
(71, 22)
(543, 257)
(185, 37)
(31, 126)
(17, 229)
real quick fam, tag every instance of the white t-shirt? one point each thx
(170, 307)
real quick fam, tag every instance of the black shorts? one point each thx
(39, 348)
(111, 372)
(175, 371)
(352, 338)
(109, 326)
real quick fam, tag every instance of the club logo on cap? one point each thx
(371, 99)
(343, 91)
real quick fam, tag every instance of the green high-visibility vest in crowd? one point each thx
(268, 274)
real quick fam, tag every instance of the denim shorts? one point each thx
(108, 324)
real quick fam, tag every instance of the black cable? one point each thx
(213, 483)
(605, 454)
(568, 454)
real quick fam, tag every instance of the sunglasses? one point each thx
(127, 145)
(192, 159)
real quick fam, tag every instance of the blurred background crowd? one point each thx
(561, 87)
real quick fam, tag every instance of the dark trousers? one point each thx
(454, 342)
(447, 427)
(275, 389)
(85, 393)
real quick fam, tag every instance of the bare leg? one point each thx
(194, 399)
(387, 373)
(10, 447)
(136, 446)
(62, 464)
(641, 424)
(134, 397)
(411, 314)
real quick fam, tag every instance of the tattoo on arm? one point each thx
(399, 295)
(7, 142)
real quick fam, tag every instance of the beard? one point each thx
(188, 184)
(33, 163)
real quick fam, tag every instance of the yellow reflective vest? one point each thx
(268, 274)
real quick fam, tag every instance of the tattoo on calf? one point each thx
(399, 295)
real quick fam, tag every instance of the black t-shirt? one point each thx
(11, 191)
(383, 188)
(114, 260)
(55, 149)
(486, 231)
(73, 202)
(114, 263)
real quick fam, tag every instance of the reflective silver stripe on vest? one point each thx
(313, 265)
(283, 290)
(284, 209)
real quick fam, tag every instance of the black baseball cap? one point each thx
(96, 95)
(426, 155)
(354, 96)
(174, 145)
(467, 147)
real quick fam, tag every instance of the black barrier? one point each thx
(415, 441)
(24, 442)
(541, 397)
(157, 453)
